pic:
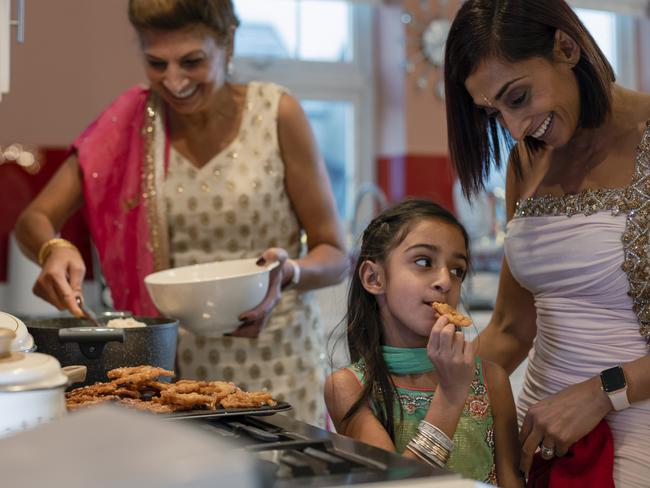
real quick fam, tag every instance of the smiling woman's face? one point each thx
(185, 67)
(536, 97)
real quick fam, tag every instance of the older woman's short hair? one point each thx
(218, 15)
(512, 30)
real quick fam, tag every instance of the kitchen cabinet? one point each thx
(6, 23)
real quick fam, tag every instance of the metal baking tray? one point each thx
(228, 412)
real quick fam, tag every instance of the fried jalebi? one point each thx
(452, 315)
(243, 399)
(139, 387)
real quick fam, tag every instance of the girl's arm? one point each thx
(342, 389)
(507, 448)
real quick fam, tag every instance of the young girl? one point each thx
(415, 385)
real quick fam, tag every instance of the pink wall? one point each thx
(78, 55)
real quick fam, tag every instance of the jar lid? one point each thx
(27, 371)
(23, 342)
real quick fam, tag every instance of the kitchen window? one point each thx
(321, 51)
(615, 35)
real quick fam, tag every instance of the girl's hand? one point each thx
(453, 357)
(61, 279)
(562, 419)
(256, 318)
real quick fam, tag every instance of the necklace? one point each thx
(407, 360)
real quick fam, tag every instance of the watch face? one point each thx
(613, 379)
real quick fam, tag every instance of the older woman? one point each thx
(197, 169)
(526, 76)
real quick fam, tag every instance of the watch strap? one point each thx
(619, 399)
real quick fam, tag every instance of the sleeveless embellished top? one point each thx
(473, 454)
(632, 201)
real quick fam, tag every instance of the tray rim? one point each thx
(232, 412)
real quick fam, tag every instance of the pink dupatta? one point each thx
(124, 211)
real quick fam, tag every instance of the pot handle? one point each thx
(75, 374)
(91, 340)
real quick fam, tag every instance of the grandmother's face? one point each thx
(185, 67)
(536, 98)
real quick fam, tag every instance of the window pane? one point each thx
(602, 26)
(306, 30)
(324, 31)
(332, 123)
(268, 29)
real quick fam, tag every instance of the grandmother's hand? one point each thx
(560, 420)
(61, 278)
(256, 318)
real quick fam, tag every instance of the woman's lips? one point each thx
(543, 128)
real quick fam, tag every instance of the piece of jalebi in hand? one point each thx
(452, 315)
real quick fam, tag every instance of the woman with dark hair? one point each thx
(196, 168)
(525, 76)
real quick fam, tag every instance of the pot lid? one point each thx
(23, 341)
(27, 371)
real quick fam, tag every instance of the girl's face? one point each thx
(185, 67)
(533, 98)
(427, 266)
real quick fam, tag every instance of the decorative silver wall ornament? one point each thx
(426, 33)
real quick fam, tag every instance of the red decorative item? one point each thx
(18, 188)
(589, 463)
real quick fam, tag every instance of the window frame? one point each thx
(351, 82)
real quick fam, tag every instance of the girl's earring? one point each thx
(230, 68)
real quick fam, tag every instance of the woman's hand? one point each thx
(560, 420)
(256, 318)
(453, 358)
(61, 279)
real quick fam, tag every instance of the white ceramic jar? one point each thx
(23, 342)
(32, 387)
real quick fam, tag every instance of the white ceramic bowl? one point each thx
(208, 298)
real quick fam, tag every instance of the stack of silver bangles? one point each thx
(431, 445)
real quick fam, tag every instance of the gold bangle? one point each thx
(46, 248)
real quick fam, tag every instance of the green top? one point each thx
(473, 454)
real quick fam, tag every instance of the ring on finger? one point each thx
(546, 452)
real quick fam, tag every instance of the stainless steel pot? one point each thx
(32, 387)
(76, 341)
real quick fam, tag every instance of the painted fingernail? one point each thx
(261, 261)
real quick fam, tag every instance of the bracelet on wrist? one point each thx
(295, 277)
(47, 247)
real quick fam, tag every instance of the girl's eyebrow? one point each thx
(436, 249)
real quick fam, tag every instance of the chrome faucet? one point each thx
(380, 199)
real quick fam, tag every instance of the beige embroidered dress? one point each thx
(234, 207)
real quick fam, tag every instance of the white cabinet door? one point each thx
(6, 23)
(5, 45)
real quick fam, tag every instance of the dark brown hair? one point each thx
(364, 330)
(512, 30)
(218, 15)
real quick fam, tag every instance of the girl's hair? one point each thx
(513, 31)
(364, 331)
(167, 15)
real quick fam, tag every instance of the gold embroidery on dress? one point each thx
(158, 244)
(633, 200)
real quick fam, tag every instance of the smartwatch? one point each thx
(615, 385)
